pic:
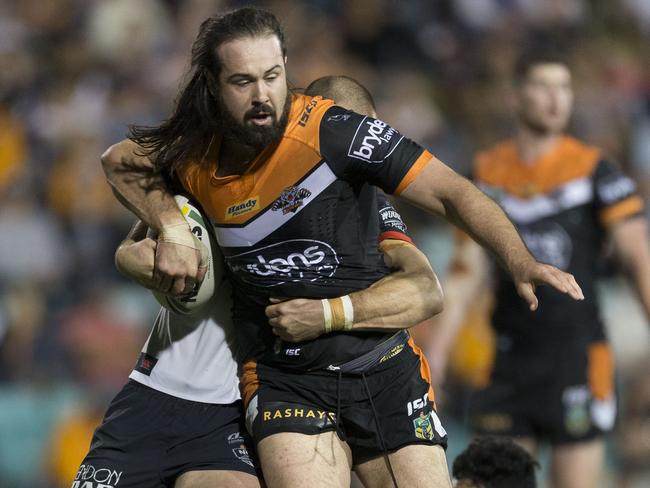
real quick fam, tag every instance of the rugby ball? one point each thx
(203, 292)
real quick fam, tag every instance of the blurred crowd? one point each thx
(75, 73)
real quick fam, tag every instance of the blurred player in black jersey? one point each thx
(553, 377)
(284, 178)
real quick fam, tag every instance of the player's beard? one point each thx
(252, 135)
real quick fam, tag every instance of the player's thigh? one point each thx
(216, 479)
(297, 460)
(577, 465)
(414, 466)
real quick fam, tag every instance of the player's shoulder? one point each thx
(495, 160)
(581, 153)
(305, 117)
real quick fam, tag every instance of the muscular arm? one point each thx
(631, 242)
(410, 294)
(177, 258)
(441, 190)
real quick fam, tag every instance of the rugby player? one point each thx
(553, 378)
(178, 421)
(299, 166)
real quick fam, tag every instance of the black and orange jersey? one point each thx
(561, 205)
(302, 221)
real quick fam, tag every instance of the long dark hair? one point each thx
(186, 135)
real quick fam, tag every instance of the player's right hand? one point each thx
(532, 274)
(177, 268)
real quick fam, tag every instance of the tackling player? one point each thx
(284, 178)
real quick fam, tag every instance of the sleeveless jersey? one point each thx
(301, 221)
(561, 205)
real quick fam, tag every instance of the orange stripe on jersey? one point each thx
(425, 372)
(621, 210)
(249, 381)
(601, 370)
(415, 170)
(502, 167)
(239, 198)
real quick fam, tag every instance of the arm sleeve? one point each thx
(363, 149)
(615, 195)
(391, 225)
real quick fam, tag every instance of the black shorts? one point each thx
(148, 439)
(563, 395)
(308, 403)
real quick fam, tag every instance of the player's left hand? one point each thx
(535, 273)
(296, 320)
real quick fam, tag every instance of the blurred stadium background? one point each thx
(74, 73)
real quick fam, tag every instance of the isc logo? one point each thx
(417, 404)
(292, 352)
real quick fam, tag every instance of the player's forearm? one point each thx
(398, 301)
(137, 188)
(487, 224)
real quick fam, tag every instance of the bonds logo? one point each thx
(371, 135)
(241, 208)
(90, 477)
(296, 260)
(291, 199)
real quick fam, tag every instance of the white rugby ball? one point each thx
(203, 292)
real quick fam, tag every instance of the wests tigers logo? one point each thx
(291, 199)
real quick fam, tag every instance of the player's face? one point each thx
(545, 98)
(253, 89)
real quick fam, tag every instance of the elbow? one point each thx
(437, 297)
(116, 156)
(431, 296)
(111, 159)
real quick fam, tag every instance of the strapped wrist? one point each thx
(338, 313)
(179, 234)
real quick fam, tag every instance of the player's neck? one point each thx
(234, 157)
(533, 145)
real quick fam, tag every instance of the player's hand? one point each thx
(296, 320)
(177, 268)
(136, 260)
(535, 273)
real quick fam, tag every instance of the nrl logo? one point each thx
(291, 199)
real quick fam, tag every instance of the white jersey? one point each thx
(192, 356)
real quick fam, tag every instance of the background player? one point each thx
(553, 376)
(239, 77)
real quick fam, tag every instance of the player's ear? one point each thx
(285, 59)
(212, 83)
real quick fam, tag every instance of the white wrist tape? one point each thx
(179, 234)
(348, 312)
